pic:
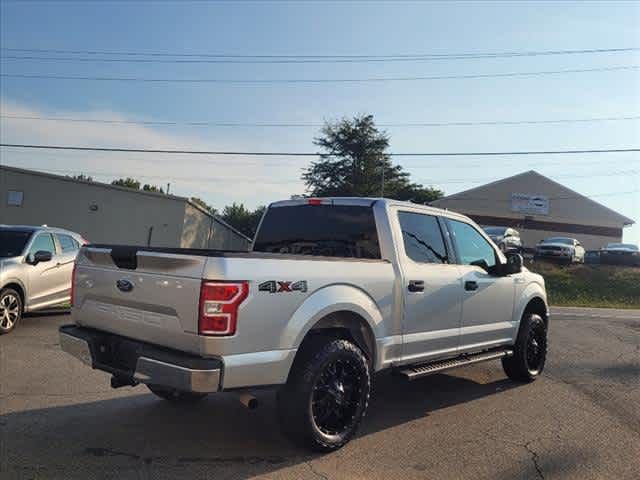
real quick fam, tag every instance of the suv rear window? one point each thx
(67, 243)
(321, 230)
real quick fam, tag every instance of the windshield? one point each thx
(323, 230)
(12, 243)
(623, 245)
(566, 241)
(495, 230)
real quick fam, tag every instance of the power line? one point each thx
(208, 179)
(316, 80)
(231, 59)
(540, 163)
(174, 179)
(316, 125)
(314, 154)
(409, 56)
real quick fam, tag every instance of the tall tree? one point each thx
(354, 162)
(240, 217)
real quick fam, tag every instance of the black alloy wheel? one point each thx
(337, 396)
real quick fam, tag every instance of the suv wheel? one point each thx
(530, 352)
(175, 396)
(10, 310)
(326, 395)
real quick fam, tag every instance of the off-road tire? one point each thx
(313, 366)
(521, 366)
(175, 396)
(5, 325)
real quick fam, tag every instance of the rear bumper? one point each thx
(141, 362)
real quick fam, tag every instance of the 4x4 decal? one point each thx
(276, 286)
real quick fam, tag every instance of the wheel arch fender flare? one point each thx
(22, 291)
(332, 300)
(533, 296)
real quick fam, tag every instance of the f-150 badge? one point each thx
(276, 286)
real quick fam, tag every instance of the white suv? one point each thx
(36, 264)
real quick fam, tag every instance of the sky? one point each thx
(316, 29)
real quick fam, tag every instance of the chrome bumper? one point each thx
(140, 362)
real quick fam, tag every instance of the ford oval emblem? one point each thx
(124, 285)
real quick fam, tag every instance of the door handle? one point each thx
(416, 286)
(470, 285)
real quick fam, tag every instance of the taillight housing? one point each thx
(219, 303)
(73, 283)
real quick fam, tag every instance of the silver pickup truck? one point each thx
(333, 291)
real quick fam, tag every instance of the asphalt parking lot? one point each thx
(58, 419)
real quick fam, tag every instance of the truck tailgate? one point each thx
(145, 295)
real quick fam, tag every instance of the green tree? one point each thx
(127, 182)
(354, 162)
(240, 217)
(135, 185)
(152, 188)
(205, 205)
(82, 177)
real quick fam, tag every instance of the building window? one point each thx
(14, 198)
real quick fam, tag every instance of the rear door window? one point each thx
(422, 237)
(322, 230)
(67, 243)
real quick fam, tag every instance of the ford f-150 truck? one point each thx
(332, 291)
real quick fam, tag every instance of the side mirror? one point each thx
(41, 256)
(482, 263)
(514, 263)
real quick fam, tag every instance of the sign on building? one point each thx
(530, 204)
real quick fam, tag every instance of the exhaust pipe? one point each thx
(248, 400)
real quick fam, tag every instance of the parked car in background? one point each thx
(564, 249)
(36, 264)
(592, 257)
(507, 239)
(620, 254)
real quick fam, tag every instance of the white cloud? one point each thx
(218, 180)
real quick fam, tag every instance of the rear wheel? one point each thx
(326, 395)
(530, 352)
(175, 396)
(10, 310)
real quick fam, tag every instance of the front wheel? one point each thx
(175, 396)
(530, 352)
(326, 395)
(10, 310)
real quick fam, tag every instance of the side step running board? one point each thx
(418, 371)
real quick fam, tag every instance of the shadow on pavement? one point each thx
(122, 437)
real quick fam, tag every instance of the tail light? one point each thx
(219, 303)
(73, 282)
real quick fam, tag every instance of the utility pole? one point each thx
(382, 186)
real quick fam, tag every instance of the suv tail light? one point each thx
(73, 282)
(219, 302)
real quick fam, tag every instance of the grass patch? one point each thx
(590, 285)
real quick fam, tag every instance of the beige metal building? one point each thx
(539, 208)
(104, 213)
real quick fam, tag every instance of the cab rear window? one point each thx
(321, 230)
